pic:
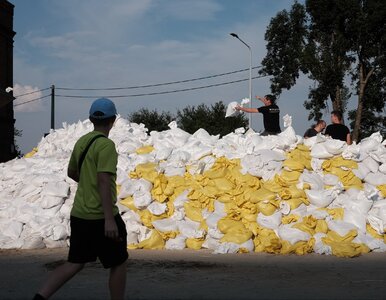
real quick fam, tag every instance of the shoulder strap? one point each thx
(83, 155)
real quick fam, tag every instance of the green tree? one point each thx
(331, 41)
(152, 119)
(212, 119)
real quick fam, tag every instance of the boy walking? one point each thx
(97, 229)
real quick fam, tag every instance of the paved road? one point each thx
(201, 275)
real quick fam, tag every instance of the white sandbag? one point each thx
(320, 151)
(292, 235)
(50, 243)
(231, 111)
(330, 179)
(190, 229)
(178, 243)
(157, 208)
(11, 228)
(248, 245)
(335, 146)
(58, 189)
(319, 247)
(142, 199)
(371, 164)
(181, 199)
(215, 233)
(375, 179)
(320, 198)
(165, 225)
(33, 242)
(340, 227)
(227, 247)
(272, 222)
(48, 201)
(355, 217)
(211, 243)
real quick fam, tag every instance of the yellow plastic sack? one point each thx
(299, 248)
(236, 236)
(382, 189)
(194, 244)
(144, 150)
(155, 241)
(193, 211)
(267, 207)
(146, 171)
(31, 153)
(129, 202)
(267, 241)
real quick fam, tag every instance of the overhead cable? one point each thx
(160, 93)
(32, 100)
(153, 85)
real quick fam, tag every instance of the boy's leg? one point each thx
(117, 281)
(59, 277)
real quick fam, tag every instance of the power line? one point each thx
(156, 84)
(160, 93)
(32, 100)
(42, 90)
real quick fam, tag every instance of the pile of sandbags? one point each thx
(239, 193)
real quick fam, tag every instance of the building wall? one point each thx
(7, 121)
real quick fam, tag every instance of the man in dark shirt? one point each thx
(271, 114)
(337, 130)
(315, 129)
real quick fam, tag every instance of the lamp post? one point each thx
(250, 76)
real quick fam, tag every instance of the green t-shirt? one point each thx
(101, 157)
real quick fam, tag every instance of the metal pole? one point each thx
(53, 107)
(250, 76)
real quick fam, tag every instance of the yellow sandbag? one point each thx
(296, 202)
(129, 202)
(226, 225)
(32, 153)
(193, 211)
(223, 184)
(293, 165)
(382, 189)
(335, 213)
(274, 185)
(267, 207)
(338, 162)
(144, 149)
(261, 194)
(308, 225)
(267, 241)
(321, 226)
(345, 249)
(347, 177)
(147, 217)
(292, 192)
(299, 248)
(160, 185)
(290, 177)
(168, 234)
(370, 230)
(155, 241)
(290, 219)
(194, 244)
(146, 171)
(237, 236)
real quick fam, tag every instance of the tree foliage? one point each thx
(152, 119)
(332, 41)
(211, 118)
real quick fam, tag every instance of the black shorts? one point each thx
(88, 242)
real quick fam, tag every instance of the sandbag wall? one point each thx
(239, 193)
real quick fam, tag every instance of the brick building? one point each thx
(7, 121)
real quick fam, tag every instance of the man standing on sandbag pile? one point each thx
(97, 229)
(271, 114)
(337, 130)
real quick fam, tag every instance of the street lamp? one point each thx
(250, 76)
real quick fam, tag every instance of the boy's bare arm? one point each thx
(104, 186)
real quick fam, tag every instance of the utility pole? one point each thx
(52, 106)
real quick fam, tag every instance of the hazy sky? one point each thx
(97, 44)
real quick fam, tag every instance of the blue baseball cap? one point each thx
(102, 108)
